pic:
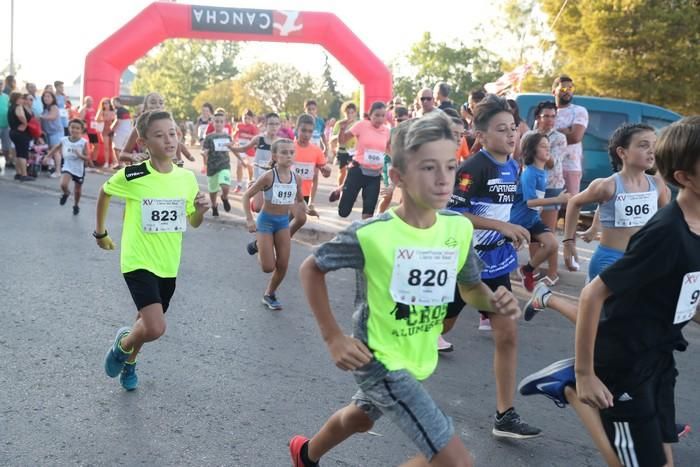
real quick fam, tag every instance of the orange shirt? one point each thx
(462, 150)
(306, 161)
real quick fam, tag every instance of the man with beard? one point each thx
(572, 121)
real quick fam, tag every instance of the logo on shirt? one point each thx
(465, 181)
(133, 172)
(451, 242)
(417, 319)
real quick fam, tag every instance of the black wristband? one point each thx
(568, 240)
(99, 236)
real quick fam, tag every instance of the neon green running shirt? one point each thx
(157, 206)
(406, 277)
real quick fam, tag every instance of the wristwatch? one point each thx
(99, 236)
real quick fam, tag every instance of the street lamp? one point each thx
(12, 37)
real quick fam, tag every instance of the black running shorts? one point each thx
(146, 288)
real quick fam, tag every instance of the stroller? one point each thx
(37, 159)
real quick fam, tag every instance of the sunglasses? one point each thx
(423, 99)
(567, 89)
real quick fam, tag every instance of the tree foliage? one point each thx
(179, 69)
(646, 50)
(464, 68)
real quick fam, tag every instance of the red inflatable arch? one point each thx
(160, 21)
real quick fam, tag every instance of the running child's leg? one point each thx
(266, 251)
(455, 454)
(505, 359)
(282, 242)
(149, 327)
(65, 184)
(343, 424)
(590, 417)
(77, 192)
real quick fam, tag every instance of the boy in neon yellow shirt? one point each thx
(409, 257)
(161, 199)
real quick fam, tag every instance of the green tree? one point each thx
(331, 99)
(266, 87)
(179, 69)
(219, 95)
(464, 68)
(647, 50)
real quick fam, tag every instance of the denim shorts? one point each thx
(403, 399)
(552, 193)
(601, 259)
(271, 224)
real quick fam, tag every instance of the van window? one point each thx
(656, 123)
(600, 127)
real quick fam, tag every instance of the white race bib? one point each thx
(424, 276)
(305, 170)
(540, 195)
(63, 113)
(284, 193)
(373, 157)
(221, 144)
(163, 215)
(688, 298)
(635, 209)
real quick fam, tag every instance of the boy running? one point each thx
(74, 151)
(161, 199)
(215, 149)
(409, 261)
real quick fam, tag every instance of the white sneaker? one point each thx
(55, 175)
(443, 345)
(484, 324)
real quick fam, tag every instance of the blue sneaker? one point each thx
(115, 358)
(550, 381)
(128, 378)
(271, 302)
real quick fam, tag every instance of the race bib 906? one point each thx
(163, 215)
(635, 209)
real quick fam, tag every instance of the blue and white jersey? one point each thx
(486, 188)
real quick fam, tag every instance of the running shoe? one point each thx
(76, 210)
(335, 195)
(511, 426)
(538, 301)
(227, 205)
(237, 189)
(115, 358)
(18, 177)
(528, 278)
(128, 378)
(55, 175)
(252, 247)
(443, 345)
(26, 178)
(683, 430)
(63, 199)
(271, 302)
(295, 446)
(550, 381)
(484, 324)
(215, 211)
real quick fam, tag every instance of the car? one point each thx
(604, 116)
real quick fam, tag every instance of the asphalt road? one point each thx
(230, 382)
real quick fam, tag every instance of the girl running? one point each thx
(529, 201)
(73, 151)
(262, 144)
(365, 172)
(282, 190)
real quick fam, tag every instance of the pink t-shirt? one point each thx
(371, 144)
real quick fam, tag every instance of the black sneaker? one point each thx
(215, 211)
(227, 205)
(63, 199)
(252, 247)
(76, 210)
(511, 426)
(18, 176)
(26, 178)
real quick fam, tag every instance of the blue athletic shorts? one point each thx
(271, 224)
(601, 259)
